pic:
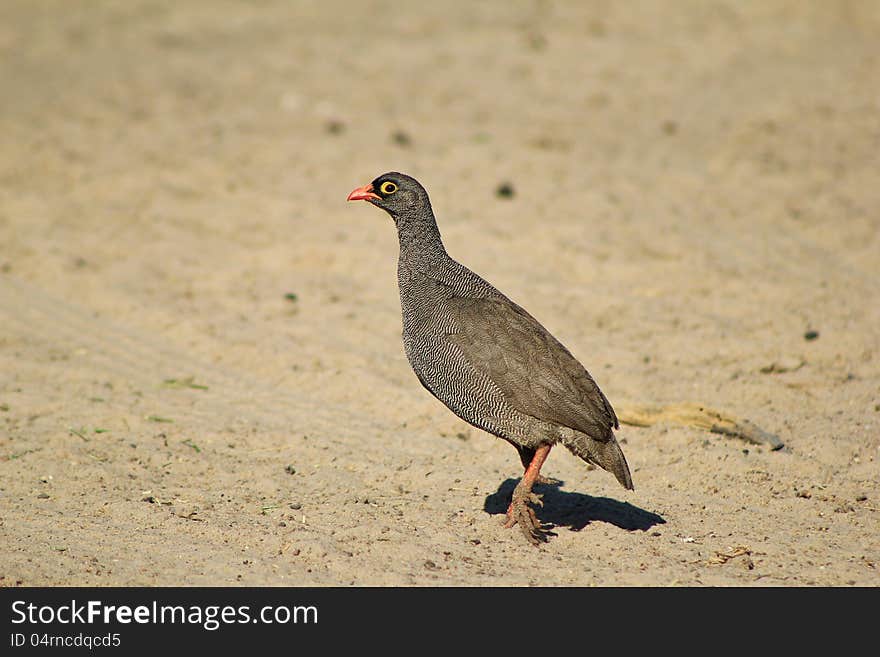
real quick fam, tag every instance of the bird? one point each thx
(487, 359)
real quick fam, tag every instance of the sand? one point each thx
(201, 375)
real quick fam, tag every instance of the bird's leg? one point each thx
(519, 512)
(526, 454)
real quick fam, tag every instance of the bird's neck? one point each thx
(419, 237)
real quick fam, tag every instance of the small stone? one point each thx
(811, 335)
(289, 469)
(786, 364)
(505, 190)
(334, 127)
(43, 496)
(400, 138)
(430, 565)
(295, 506)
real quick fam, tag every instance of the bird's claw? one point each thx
(520, 513)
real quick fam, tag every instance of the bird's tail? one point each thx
(606, 454)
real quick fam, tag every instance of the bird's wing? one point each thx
(535, 372)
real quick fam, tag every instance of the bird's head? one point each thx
(396, 193)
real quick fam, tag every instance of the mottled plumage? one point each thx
(485, 357)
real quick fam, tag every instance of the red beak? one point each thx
(364, 193)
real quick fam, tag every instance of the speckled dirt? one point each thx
(201, 374)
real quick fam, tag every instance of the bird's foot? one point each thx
(520, 513)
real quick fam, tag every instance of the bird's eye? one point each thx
(387, 187)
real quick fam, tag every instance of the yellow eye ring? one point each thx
(387, 187)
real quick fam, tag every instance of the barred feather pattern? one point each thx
(439, 362)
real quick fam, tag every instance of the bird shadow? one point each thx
(575, 510)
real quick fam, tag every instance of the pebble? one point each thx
(785, 364)
(400, 138)
(335, 127)
(505, 190)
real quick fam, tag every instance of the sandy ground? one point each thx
(201, 373)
